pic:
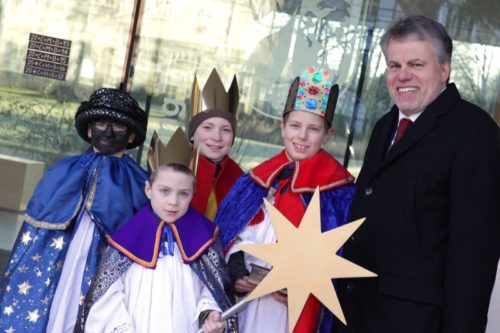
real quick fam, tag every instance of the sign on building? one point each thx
(47, 57)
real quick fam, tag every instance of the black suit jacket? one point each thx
(432, 229)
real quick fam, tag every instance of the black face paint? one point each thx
(108, 141)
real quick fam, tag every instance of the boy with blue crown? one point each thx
(288, 181)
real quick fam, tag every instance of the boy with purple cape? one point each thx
(164, 270)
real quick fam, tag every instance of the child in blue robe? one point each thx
(78, 202)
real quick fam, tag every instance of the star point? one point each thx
(23, 269)
(58, 243)
(24, 288)
(33, 316)
(10, 330)
(305, 260)
(8, 310)
(26, 238)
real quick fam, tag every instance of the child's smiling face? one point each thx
(170, 193)
(303, 134)
(214, 137)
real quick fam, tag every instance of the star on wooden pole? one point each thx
(305, 260)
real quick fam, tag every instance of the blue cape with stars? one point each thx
(109, 189)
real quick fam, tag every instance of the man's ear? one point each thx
(89, 132)
(445, 72)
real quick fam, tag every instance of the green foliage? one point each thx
(38, 128)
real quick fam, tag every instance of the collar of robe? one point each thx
(321, 170)
(143, 237)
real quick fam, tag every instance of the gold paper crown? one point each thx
(177, 150)
(214, 96)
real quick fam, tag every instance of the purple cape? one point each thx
(139, 239)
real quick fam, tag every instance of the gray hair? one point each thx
(421, 28)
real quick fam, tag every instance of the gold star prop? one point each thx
(304, 260)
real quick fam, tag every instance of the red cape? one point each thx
(205, 175)
(320, 170)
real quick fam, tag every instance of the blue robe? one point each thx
(109, 189)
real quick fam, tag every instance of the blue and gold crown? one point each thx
(313, 92)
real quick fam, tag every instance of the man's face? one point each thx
(109, 138)
(414, 75)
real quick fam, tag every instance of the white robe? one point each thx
(68, 295)
(263, 314)
(167, 299)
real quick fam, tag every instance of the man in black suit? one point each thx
(431, 198)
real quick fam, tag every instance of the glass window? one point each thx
(267, 43)
(264, 43)
(37, 113)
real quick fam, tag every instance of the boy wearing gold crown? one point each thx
(163, 271)
(288, 181)
(212, 130)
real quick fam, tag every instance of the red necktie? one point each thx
(404, 123)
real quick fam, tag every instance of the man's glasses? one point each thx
(103, 125)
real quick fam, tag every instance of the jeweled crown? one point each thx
(313, 92)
